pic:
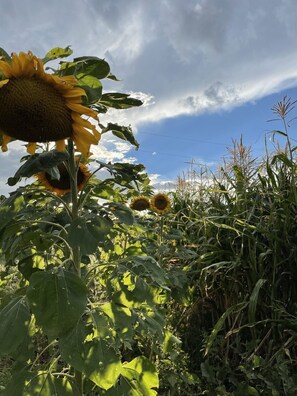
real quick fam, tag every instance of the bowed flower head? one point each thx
(62, 186)
(36, 106)
(140, 203)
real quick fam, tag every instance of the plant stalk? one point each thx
(76, 256)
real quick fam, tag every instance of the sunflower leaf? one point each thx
(93, 356)
(119, 100)
(88, 233)
(56, 53)
(4, 55)
(39, 162)
(122, 132)
(14, 322)
(67, 295)
(92, 86)
(87, 66)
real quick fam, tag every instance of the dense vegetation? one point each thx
(100, 299)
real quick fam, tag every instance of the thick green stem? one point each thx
(74, 200)
(76, 256)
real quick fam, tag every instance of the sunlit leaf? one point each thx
(143, 375)
(46, 384)
(56, 53)
(92, 86)
(57, 299)
(95, 357)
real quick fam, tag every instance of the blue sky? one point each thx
(207, 70)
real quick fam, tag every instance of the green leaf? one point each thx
(39, 162)
(4, 55)
(92, 66)
(56, 53)
(220, 324)
(142, 375)
(45, 384)
(254, 300)
(14, 323)
(86, 65)
(122, 132)
(95, 357)
(92, 87)
(122, 212)
(10, 207)
(88, 232)
(57, 299)
(119, 100)
(121, 318)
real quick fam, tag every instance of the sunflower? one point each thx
(39, 107)
(140, 203)
(62, 186)
(160, 203)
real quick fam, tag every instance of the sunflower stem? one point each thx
(76, 256)
(74, 200)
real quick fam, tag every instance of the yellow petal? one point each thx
(5, 140)
(31, 148)
(60, 145)
(3, 82)
(82, 109)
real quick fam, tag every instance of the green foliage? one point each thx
(68, 296)
(14, 325)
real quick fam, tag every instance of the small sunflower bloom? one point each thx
(38, 107)
(62, 186)
(160, 203)
(140, 203)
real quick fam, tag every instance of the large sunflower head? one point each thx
(62, 186)
(140, 203)
(36, 106)
(160, 203)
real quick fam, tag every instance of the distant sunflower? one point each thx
(160, 203)
(39, 107)
(140, 203)
(62, 186)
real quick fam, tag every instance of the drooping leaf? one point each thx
(57, 299)
(37, 163)
(14, 323)
(119, 100)
(122, 132)
(95, 357)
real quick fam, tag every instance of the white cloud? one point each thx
(180, 57)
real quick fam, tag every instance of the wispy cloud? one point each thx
(180, 57)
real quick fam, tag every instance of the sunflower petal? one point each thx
(5, 140)
(3, 82)
(31, 148)
(60, 145)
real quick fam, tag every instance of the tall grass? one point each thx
(241, 330)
